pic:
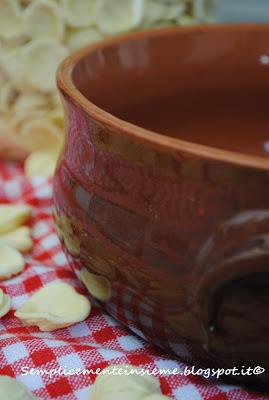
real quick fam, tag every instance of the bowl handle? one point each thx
(236, 255)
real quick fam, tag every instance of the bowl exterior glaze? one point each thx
(180, 238)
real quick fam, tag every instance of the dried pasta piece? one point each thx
(57, 117)
(79, 13)
(7, 97)
(10, 63)
(43, 18)
(202, 10)
(20, 239)
(2, 75)
(173, 10)
(98, 286)
(39, 61)
(158, 12)
(55, 99)
(116, 17)
(72, 243)
(54, 306)
(125, 385)
(186, 20)
(41, 134)
(153, 12)
(13, 71)
(12, 389)
(13, 215)
(70, 238)
(11, 262)
(10, 19)
(40, 163)
(83, 37)
(16, 121)
(30, 102)
(5, 304)
(13, 43)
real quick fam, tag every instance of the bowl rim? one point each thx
(155, 139)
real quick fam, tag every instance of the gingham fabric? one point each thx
(95, 343)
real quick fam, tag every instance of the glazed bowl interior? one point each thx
(202, 86)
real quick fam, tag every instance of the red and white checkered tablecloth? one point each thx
(95, 343)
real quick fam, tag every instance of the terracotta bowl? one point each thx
(162, 190)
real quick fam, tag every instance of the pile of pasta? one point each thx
(35, 36)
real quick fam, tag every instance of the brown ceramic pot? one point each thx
(162, 189)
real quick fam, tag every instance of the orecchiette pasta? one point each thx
(30, 101)
(174, 11)
(124, 382)
(7, 96)
(40, 163)
(54, 306)
(13, 42)
(13, 215)
(39, 61)
(153, 12)
(10, 19)
(35, 35)
(12, 389)
(83, 37)
(98, 286)
(13, 71)
(116, 17)
(43, 18)
(5, 303)
(19, 239)
(55, 99)
(41, 134)
(11, 262)
(78, 13)
(57, 117)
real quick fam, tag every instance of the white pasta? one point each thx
(13, 215)
(40, 163)
(173, 11)
(39, 61)
(5, 304)
(98, 286)
(133, 386)
(19, 239)
(56, 116)
(6, 96)
(55, 99)
(83, 37)
(16, 121)
(11, 65)
(10, 19)
(43, 18)
(41, 134)
(12, 389)
(153, 12)
(78, 13)
(55, 306)
(30, 102)
(115, 17)
(12, 43)
(11, 262)
(202, 9)
(36, 35)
